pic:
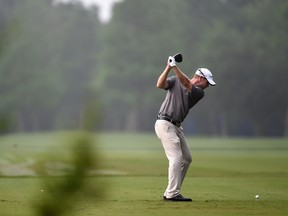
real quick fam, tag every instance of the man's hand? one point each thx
(171, 61)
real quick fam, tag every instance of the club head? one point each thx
(178, 57)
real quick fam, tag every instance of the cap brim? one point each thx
(211, 82)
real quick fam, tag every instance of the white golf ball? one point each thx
(257, 196)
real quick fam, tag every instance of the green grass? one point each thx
(223, 179)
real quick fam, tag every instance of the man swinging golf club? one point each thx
(182, 94)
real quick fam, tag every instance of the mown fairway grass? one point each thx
(223, 179)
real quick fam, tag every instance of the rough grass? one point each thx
(223, 179)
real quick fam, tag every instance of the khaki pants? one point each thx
(177, 152)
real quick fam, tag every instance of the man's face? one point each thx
(203, 83)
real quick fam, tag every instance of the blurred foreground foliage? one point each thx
(60, 192)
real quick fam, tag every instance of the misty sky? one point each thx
(105, 7)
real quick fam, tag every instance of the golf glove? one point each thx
(172, 61)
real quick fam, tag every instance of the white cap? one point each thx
(204, 72)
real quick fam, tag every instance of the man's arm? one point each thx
(183, 78)
(162, 80)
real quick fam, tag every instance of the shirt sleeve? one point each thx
(195, 95)
(171, 81)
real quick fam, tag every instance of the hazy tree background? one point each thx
(56, 60)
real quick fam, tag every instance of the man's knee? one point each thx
(188, 160)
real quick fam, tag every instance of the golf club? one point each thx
(178, 57)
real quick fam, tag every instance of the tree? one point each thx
(135, 46)
(240, 49)
(45, 69)
(267, 42)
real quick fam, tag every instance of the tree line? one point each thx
(57, 62)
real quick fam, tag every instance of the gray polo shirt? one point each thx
(179, 100)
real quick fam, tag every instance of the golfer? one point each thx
(182, 94)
